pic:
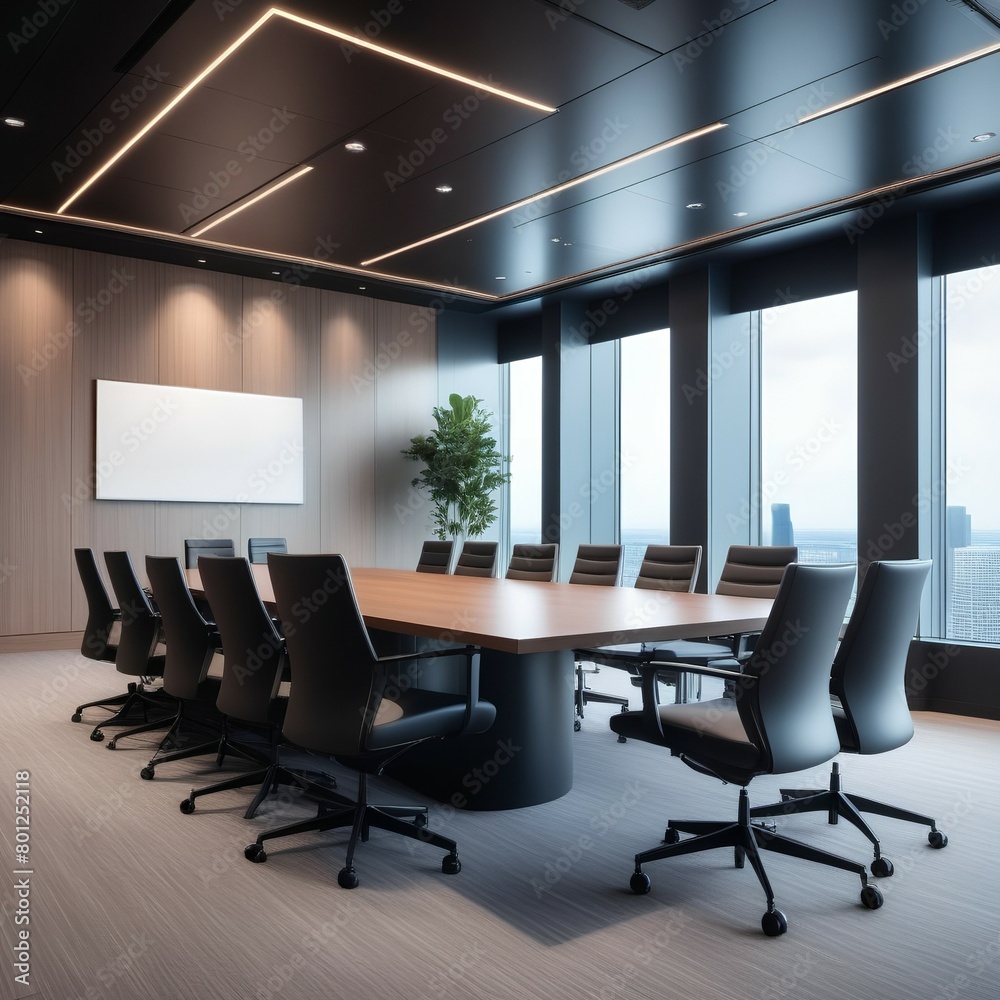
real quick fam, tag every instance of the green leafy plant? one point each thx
(463, 467)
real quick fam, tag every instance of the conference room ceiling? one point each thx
(583, 138)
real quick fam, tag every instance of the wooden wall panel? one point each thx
(117, 296)
(405, 394)
(348, 427)
(281, 357)
(199, 344)
(36, 355)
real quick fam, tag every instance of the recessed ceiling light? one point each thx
(695, 204)
(201, 260)
(443, 189)
(567, 244)
(275, 272)
(556, 239)
(741, 215)
(355, 147)
(39, 232)
(15, 122)
(984, 137)
(361, 288)
(501, 277)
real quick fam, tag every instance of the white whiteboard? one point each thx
(164, 442)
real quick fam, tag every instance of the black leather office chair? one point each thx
(779, 722)
(103, 620)
(477, 559)
(869, 698)
(258, 548)
(255, 662)
(346, 702)
(191, 642)
(664, 567)
(196, 547)
(137, 655)
(534, 562)
(435, 557)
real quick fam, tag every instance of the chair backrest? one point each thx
(598, 565)
(869, 669)
(101, 613)
(189, 638)
(755, 570)
(141, 627)
(435, 557)
(534, 562)
(195, 547)
(258, 548)
(336, 679)
(669, 567)
(784, 696)
(253, 650)
(477, 559)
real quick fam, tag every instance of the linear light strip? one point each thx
(902, 82)
(252, 201)
(552, 191)
(166, 110)
(363, 43)
(316, 26)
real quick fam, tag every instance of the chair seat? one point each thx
(418, 715)
(707, 729)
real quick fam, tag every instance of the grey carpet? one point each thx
(132, 899)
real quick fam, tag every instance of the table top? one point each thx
(521, 616)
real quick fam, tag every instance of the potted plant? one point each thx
(463, 468)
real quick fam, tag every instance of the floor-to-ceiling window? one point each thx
(644, 466)
(971, 473)
(808, 428)
(525, 442)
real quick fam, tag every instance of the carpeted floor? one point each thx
(129, 898)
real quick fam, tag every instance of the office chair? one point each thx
(103, 618)
(196, 547)
(664, 567)
(595, 566)
(477, 559)
(534, 562)
(869, 700)
(598, 565)
(255, 662)
(258, 548)
(779, 722)
(435, 557)
(346, 702)
(191, 642)
(137, 656)
(749, 571)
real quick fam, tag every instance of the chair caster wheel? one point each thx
(132, 687)
(451, 865)
(187, 807)
(622, 739)
(773, 923)
(882, 868)
(576, 726)
(97, 736)
(147, 773)
(255, 853)
(671, 836)
(871, 897)
(347, 878)
(112, 744)
(639, 883)
(76, 717)
(420, 820)
(937, 839)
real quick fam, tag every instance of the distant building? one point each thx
(975, 594)
(782, 532)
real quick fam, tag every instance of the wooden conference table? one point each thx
(527, 632)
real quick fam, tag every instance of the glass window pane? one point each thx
(525, 381)
(644, 465)
(972, 450)
(808, 426)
